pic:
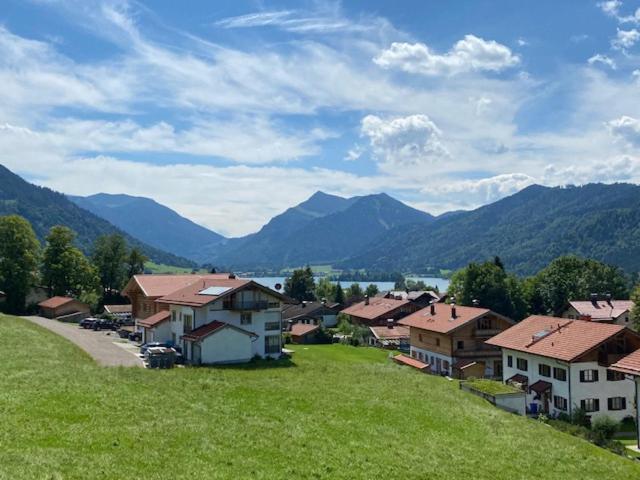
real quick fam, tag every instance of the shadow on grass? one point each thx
(253, 365)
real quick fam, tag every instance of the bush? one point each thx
(580, 417)
(603, 429)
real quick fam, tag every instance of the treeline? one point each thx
(546, 293)
(301, 285)
(367, 276)
(60, 266)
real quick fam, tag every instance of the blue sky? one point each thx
(230, 112)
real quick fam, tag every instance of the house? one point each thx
(451, 339)
(422, 298)
(316, 313)
(563, 364)
(600, 309)
(121, 312)
(630, 367)
(304, 332)
(391, 336)
(377, 310)
(156, 328)
(144, 290)
(223, 320)
(67, 307)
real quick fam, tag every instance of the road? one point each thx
(102, 346)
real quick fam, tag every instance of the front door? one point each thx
(197, 358)
(497, 368)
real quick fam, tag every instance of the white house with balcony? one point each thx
(224, 320)
(563, 364)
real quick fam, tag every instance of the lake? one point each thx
(441, 283)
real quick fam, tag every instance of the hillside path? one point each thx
(100, 345)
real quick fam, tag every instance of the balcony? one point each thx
(247, 305)
(477, 352)
(487, 332)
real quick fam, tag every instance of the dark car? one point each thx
(146, 346)
(123, 333)
(103, 324)
(135, 336)
(88, 322)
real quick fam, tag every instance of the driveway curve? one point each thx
(102, 346)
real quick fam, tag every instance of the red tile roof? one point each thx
(55, 302)
(155, 319)
(442, 321)
(553, 337)
(629, 364)
(386, 333)
(376, 308)
(412, 362)
(602, 310)
(210, 329)
(161, 285)
(117, 308)
(190, 295)
(301, 329)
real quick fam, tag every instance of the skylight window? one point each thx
(214, 291)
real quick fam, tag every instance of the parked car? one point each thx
(123, 333)
(88, 322)
(102, 324)
(147, 346)
(135, 336)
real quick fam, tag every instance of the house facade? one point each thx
(391, 336)
(599, 309)
(563, 364)
(316, 313)
(629, 366)
(451, 339)
(377, 310)
(226, 320)
(57, 307)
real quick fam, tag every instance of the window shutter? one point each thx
(583, 405)
(623, 403)
(595, 375)
(596, 405)
(582, 375)
(609, 403)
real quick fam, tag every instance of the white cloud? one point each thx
(622, 168)
(467, 55)
(610, 7)
(404, 142)
(625, 39)
(354, 153)
(603, 59)
(522, 42)
(626, 129)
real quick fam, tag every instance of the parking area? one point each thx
(106, 347)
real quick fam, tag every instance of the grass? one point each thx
(162, 268)
(332, 412)
(491, 387)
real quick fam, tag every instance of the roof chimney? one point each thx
(453, 310)
(366, 299)
(594, 298)
(609, 298)
(432, 307)
(390, 322)
(232, 276)
(475, 302)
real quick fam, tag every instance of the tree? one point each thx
(498, 262)
(65, 269)
(301, 285)
(325, 289)
(490, 287)
(339, 294)
(19, 256)
(400, 283)
(573, 278)
(371, 290)
(635, 311)
(354, 293)
(110, 258)
(136, 261)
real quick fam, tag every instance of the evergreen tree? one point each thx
(110, 258)
(325, 289)
(136, 261)
(339, 294)
(301, 285)
(371, 290)
(19, 256)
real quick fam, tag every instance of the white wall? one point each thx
(226, 346)
(572, 389)
(432, 364)
(159, 333)
(329, 320)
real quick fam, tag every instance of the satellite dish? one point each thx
(278, 286)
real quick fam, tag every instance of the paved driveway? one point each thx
(105, 347)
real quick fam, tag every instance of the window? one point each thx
(544, 370)
(614, 376)
(522, 364)
(588, 376)
(560, 403)
(560, 374)
(484, 323)
(187, 321)
(617, 403)
(272, 344)
(437, 342)
(460, 345)
(509, 361)
(420, 356)
(173, 315)
(590, 404)
(272, 326)
(420, 337)
(245, 318)
(413, 353)
(445, 365)
(273, 305)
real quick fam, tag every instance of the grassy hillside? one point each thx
(334, 412)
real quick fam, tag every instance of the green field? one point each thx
(333, 412)
(162, 268)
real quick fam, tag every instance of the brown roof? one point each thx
(412, 362)
(155, 319)
(376, 308)
(602, 310)
(553, 337)
(462, 364)
(117, 308)
(301, 329)
(442, 321)
(161, 285)
(211, 328)
(386, 333)
(306, 309)
(540, 387)
(629, 364)
(55, 302)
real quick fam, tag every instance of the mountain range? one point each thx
(45, 208)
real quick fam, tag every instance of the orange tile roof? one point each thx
(376, 308)
(412, 362)
(554, 337)
(299, 329)
(211, 328)
(190, 295)
(442, 321)
(155, 319)
(161, 285)
(392, 333)
(602, 310)
(117, 308)
(55, 302)
(629, 364)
